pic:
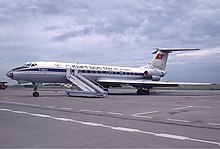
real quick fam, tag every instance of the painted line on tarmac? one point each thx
(215, 124)
(20, 103)
(172, 136)
(203, 100)
(142, 115)
(53, 107)
(114, 113)
(180, 108)
(177, 120)
(124, 129)
(65, 108)
(204, 141)
(185, 107)
(84, 110)
(150, 112)
(205, 107)
(50, 107)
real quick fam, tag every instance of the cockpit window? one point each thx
(30, 65)
(27, 65)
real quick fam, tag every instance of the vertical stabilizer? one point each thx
(159, 61)
(161, 56)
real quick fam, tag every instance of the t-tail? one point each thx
(161, 55)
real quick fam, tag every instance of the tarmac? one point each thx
(164, 119)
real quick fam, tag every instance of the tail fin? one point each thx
(161, 55)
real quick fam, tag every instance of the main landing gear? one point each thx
(35, 93)
(142, 91)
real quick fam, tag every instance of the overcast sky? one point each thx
(113, 32)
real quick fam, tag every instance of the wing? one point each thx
(145, 83)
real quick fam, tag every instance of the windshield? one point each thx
(29, 65)
(26, 65)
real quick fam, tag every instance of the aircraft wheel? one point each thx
(146, 92)
(36, 94)
(143, 92)
(139, 92)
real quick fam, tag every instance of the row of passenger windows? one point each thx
(108, 72)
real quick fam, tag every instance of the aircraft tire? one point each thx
(139, 92)
(36, 94)
(146, 92)
(143, 92)
(69, 94)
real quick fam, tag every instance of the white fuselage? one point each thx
(55, 72)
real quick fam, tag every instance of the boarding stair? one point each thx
(89, 88)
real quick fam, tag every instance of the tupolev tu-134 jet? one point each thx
(94, 80)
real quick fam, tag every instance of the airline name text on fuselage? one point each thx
(93, 67)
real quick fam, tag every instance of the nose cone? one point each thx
(10, 74)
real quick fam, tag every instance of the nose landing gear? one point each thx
(35, 93)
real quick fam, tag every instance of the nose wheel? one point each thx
(35, 93)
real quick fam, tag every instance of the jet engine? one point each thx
(152, 75)
(155, 78)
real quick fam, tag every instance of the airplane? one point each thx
(94, 80)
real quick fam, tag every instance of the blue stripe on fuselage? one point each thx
(44, 69)
(81, 71)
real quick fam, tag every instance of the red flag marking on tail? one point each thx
(159, 56)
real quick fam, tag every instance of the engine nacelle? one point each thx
(147, 75)
(152, 75)
(155, 78)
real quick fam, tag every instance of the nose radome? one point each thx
(9, 74)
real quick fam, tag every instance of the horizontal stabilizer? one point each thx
(169, 50)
